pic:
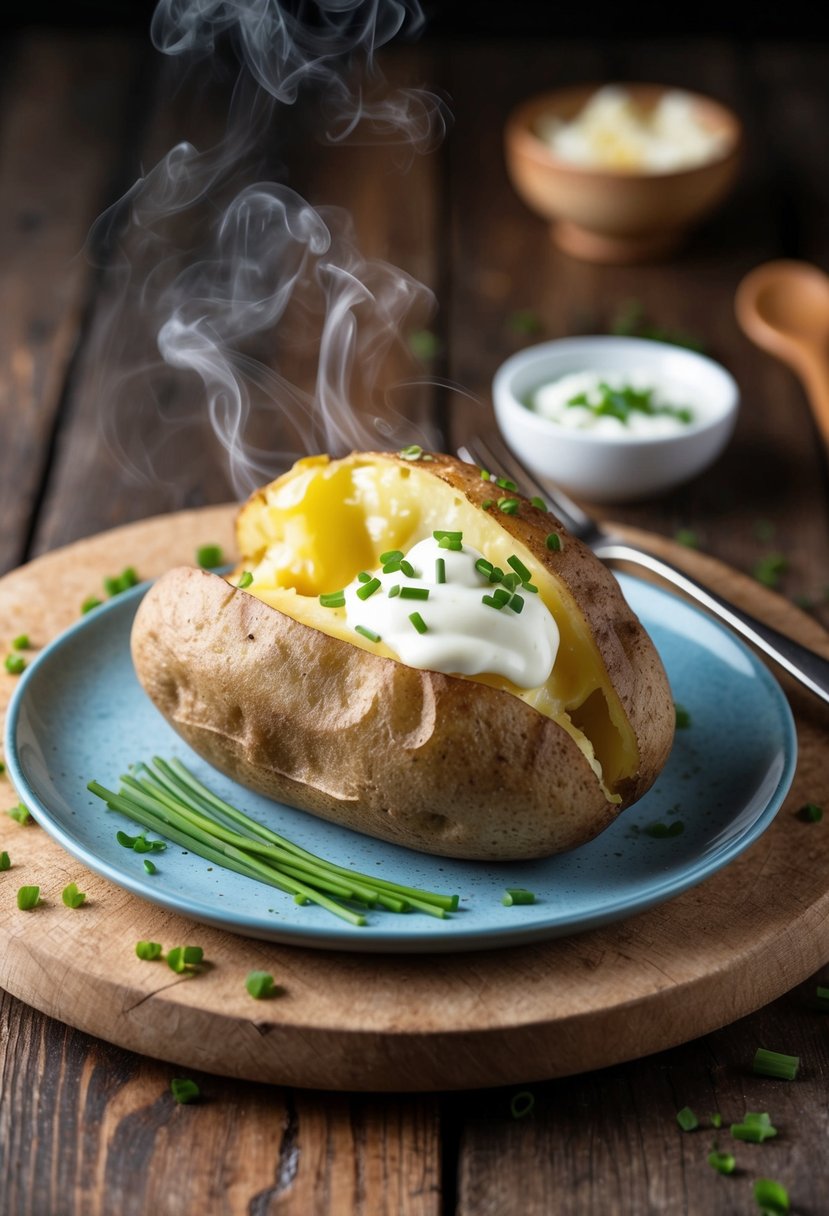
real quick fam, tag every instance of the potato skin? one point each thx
(442, 764)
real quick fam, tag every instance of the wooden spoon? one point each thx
(784, 307)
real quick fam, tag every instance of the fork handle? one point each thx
(805, 665)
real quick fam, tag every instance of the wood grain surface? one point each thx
(386, 1023)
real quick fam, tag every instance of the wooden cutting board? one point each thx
(369, 1022)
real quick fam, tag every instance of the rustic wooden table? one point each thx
(88, 1129)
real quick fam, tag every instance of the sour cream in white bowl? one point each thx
(614, 419)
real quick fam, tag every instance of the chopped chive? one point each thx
(660, 830)
(5, 864)
(529, 587)
(391, 555)
(184, 1090)
(754, 1129)
(517, 604)
(150, 866)
(72, 897)
(392, 567)
(553, 542)
(332, 599)
(487, 503)
(770, 568)
(485, 475)
(89, 603)
(20, 814)
(448, 542)
(519, 568)
(21, 642)
(2, 767)
(260, 985)
(364, 576)
(775, 1064)
(496, 575)
(715, 1120)
(508, 506)
(506, 484)
(414, 593)
(418, 622)
(395, 591)
(517, 895)
(367, 633)
(683, 717)
(511, 581)
(148, 950)
(539, 502)
(491, 602)
(811, 813)
(521, 1104)
(442, 534)
(209, 556)
(501, 596)
(408, 569)
(245, 580)
(723, 1163)
(440, 570)
(184, 958)
(821, 997)
(115, 584)
(368, 589)
(687, 537)
(28, 898)
(413, 452)
(686, 1119)
(771, 1197)
(15, 664)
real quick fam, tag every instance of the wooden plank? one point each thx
(65, 108)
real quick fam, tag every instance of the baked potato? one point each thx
(276, 686)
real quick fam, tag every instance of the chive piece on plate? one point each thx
(150, 866)
(517, 895)
(775, 1064)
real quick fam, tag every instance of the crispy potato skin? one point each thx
(439, 763)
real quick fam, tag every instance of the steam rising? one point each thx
(246, 283)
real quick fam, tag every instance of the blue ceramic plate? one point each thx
(79, 713)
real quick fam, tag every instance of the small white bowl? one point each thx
(606, 468)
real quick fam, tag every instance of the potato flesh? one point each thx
(315, 528)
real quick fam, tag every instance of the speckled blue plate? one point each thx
(79, 713)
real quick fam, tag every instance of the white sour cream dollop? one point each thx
(464, 636)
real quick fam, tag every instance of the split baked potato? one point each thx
(279, 691)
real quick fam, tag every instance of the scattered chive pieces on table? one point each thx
(686, 1119)
(260, 985)
(687, 537)
(683, 718)
(209, 556)
(517, 895)
(148, 951)
(15, 664)
(770, 568)
(184, 1090)
(332, 599)
(165, 797)
(771, 1197)
(521, 1104)
(72, 897)
(184, 958)
(367, 633)
(754, 1129)
(20, 814)
(89, 603)
(723, 1163)
(811, 813)
(775, 1064)
(245, 580)
(28, 898)
(418, 621)
(5, 864)
(21, 642)
(715, 1120)
(150, 866)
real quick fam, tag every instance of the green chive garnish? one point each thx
(771, 1197)
(821, 996)
(521, 1104)
(413, 452)
(20, 814)
(368, 589)
(408, 569)
(28, 898)
(517, 895)
(754, 1129)
(553, 542)
(184, 1090)
(516, 604)
(260, 985)
(245, 580)
(508, 506)
(440, 570)
(332, 599)
(539, 502)
(687, 537)
(447, 542)
(442, 534)
(505, 483)
(5, 863)
(115, 584)
(395, 591)
(209, 556)
(723, 1163)
(414, 593)
(715, 1120)
(529, 587)
(21, 642)
(501, 596)
(367, 633)
(485, 475)
(184, 958)
(148, 950)
(15, 664)
(660, 830)
(519, 568)
(686, 1119)
(2, 767)
(150, 866)
(72, 897)
(811, 813)
(775, 1064)
(364, 576)
(392, 555)
(491, 602)
(89, 603)
(392, 567)
(511, 581)
(683, 717)
(487, 503)
(496, 575)
(418, 621)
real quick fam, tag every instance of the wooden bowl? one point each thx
(611, 215)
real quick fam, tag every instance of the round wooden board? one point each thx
(374, 1022)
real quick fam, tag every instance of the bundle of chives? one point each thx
(166, 798)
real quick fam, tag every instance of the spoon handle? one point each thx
(814, 375)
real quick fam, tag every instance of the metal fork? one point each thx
(811, 669)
